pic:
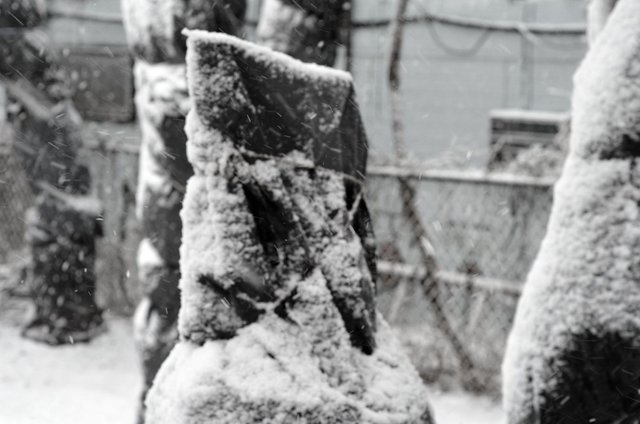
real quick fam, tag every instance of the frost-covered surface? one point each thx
(272, 372)
(278, 320)
(574, 352)
(154, 27)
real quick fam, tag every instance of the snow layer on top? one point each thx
(268, 55)
(573, 353)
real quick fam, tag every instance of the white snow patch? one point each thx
(267, 55)
(148, 255)
(96, 383)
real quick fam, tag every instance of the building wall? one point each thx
(449, 95)
(452, 77)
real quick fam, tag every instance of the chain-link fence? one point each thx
(15, 197)
(111, 154)
(483, 232)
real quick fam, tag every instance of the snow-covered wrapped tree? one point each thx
(62, 226)
(278, 322)
(308, 30)
(154, 35)
(574, 352)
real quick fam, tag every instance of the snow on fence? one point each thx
(485, 230)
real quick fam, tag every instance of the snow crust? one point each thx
(582, 296)
(269, 374)
(273, 58)
(277, 323)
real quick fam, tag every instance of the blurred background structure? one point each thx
(486, 89)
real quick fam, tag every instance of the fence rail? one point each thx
(417, 172)
(398, 270)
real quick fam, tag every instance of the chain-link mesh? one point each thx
(114, 172)
(15, 197)
(484, 233)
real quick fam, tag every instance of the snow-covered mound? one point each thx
(574, 352)
(301, 370)
(278, 321)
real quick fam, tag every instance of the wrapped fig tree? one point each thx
(278, 321)
(162, 101)
(574, 352)
(62, 226)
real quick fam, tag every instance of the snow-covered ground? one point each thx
(86, 383)
(98, 383)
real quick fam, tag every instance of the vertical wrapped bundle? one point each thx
(574, 352)
(278, 321)
(162, 102)
(62, 226)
